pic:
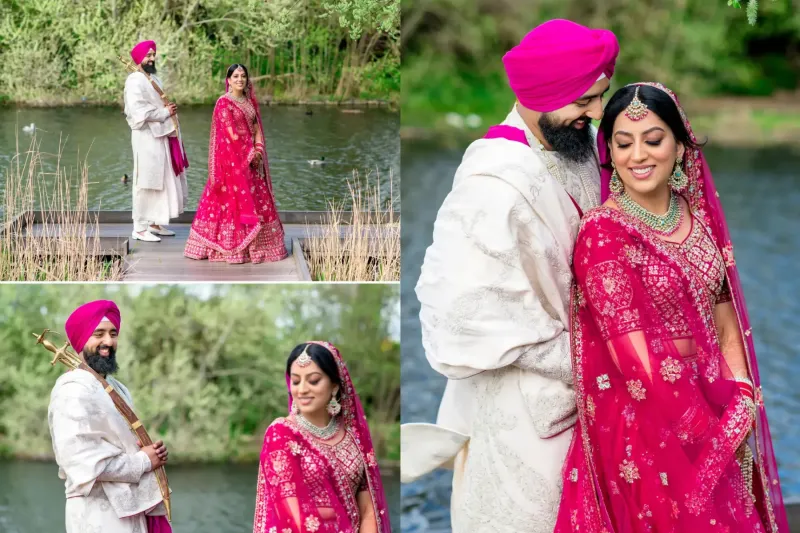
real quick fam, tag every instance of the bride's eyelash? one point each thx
(651, 143)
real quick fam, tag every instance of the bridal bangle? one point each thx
(745, 387)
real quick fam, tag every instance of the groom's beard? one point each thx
(573, 143)
(102, 365)
(150, 68)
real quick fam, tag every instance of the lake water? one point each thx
(760, 191)
(205, 498)
(364, 142)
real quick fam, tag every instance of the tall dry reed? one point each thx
(64, 243)
(365, 249)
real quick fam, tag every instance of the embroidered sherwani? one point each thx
(494, 295)
(108, 479)
(158, 194)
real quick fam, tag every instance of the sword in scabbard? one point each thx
(133, 67)
(67, 356)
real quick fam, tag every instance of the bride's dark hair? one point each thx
(657, 101)
(320, 355)
(233, 68)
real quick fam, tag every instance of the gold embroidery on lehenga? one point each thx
(670, 370)
(590, 407)
(312, 523)
(646, 512)
(295, 448)
(637, 391)
(628, 471)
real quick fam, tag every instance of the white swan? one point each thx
(317, 162)
(29, 129)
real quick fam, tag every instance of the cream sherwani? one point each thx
(158, 194)
(108, 479)
(494, 295)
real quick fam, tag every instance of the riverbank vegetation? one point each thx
(452, 74)
(364, 248)
(206, 370)
(66, 245)
(65, 53)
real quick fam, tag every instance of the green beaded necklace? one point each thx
(665, 224)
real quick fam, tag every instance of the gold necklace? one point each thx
(241, 99)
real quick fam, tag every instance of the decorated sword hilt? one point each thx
(63, 355)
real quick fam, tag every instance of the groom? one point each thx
(495, 283)
(109, 480)
(159, 161)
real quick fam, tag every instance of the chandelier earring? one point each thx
(334, 407)
(615, 185)
(679, 180)
(295, 408)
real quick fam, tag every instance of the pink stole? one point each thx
(177, 155)
(158, 524)
(510, 133)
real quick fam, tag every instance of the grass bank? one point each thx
(66, 99)
(725, 121)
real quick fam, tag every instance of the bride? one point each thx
(236, 220)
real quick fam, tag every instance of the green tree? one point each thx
(205, 364)
(54, 51)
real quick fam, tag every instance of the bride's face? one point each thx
(311, 388)
(644, 153)
(238, 79)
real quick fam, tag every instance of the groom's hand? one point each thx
(173, 109)
(156, 452)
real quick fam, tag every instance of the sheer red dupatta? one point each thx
(285, 501)
(230, 158)
(655, 445)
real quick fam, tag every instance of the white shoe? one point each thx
(146, 236)
(164, 232)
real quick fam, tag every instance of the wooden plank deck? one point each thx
(164, 261)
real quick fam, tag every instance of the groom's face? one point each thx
(100, 349)
(149, 62)
(579, 113)
(567, 129)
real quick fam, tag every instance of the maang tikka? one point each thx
(304, 359)
(636, 110)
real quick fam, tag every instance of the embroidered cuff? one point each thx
(147, 466)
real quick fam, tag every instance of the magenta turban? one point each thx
(141, 50)
(557, 62)
(84, 320)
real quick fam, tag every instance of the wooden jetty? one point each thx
(164, 261)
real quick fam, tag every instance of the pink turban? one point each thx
(84, 320)
(557, 62)
(141, 50)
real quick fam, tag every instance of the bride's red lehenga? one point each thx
(236, 221)
(659, 444)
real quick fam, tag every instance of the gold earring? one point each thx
(679, 180)
(615, 185)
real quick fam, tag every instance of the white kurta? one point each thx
(494, 295)
(109, 485)
(158, 195)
